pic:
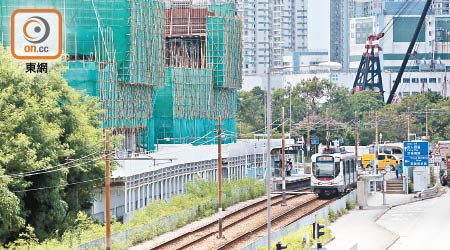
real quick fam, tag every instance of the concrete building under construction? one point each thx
(162, 72)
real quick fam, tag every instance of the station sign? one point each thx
(315, 141)
(415, 154)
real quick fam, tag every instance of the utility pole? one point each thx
(426, 122)
(283, 160)
(219, 160)
(290, 111)
(409, 123)
(268, 162)
(308, 139)
(328, 130)
(107, 193)
(376, 143)
(356, 138)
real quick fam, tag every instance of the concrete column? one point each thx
(161, 189)
(139, 197)
(153, 191)
(133, 199)
(126, 200)
(148, 194)
(170, 189)
(178, 185)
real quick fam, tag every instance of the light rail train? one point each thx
(333, 171)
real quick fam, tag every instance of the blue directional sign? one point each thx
(315, 141)
(415, 154)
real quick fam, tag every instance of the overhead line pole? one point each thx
(283, 160)
(426, 122)
(219, 160)
(328, 130)
(409, 123)
(356, 138)
(107, 193)
(268, 170)
(376, 143)
(308, 139)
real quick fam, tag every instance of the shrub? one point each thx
(410, 186)
(294, 239)
(350, 204)
(332, 216)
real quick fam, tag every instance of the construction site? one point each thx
(162, 72)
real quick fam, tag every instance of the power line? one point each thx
(63, 164)
(20, 175)
(63, 185)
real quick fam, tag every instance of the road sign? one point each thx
(415, 154)
(315, 141)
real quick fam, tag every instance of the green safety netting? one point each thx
(121, 62)
(187, 107)
(225, 51)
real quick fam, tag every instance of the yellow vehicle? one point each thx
(384, 160)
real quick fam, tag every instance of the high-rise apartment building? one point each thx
(339, 46)
(272, 28)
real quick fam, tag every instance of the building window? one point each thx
(423, 80)
(432, 80)
(415, 80)
(405, 80)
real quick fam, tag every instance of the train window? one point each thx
(337, 168)
(381, 157)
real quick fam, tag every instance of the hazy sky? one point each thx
(319, 24)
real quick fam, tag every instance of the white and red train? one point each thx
(333, 171)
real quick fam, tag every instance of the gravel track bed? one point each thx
(192, 234)
(253, 220)
(275, 225)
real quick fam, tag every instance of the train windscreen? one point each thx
(324, 167)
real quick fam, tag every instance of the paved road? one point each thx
(359, 228)
(420, 225)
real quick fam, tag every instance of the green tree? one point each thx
(313, 91)
(250, 112)
(44, 123)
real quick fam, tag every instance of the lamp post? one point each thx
(331, 66)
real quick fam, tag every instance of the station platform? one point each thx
(292, 182)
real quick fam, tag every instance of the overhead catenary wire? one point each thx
(63, 164)
(57, 186)
(21, 175)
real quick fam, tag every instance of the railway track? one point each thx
(279, 221)
(190, 239)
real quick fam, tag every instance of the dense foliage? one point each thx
(44, 123)
(316, 96)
